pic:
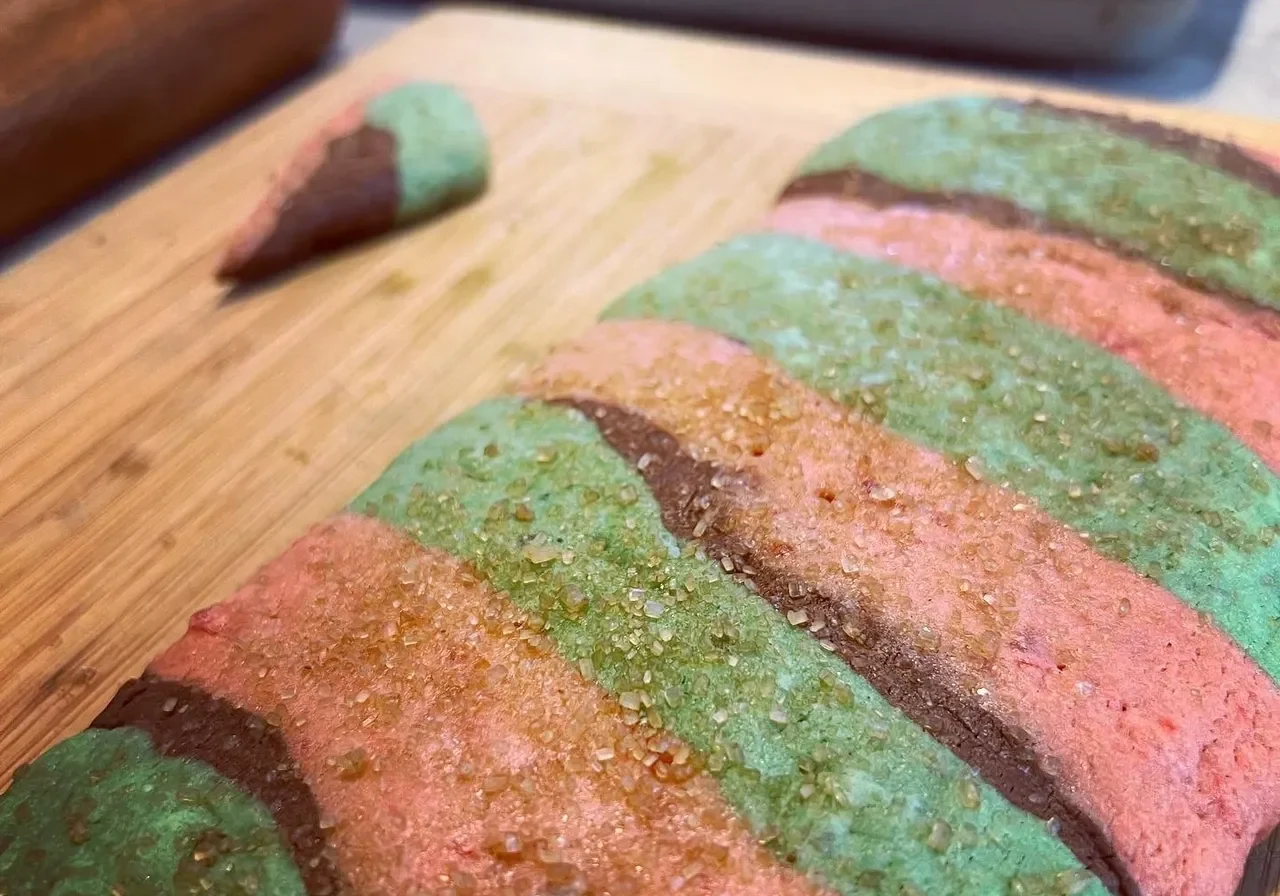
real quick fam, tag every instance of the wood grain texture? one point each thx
(89, 88)
(158, 442)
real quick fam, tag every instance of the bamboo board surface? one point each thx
(159, 442)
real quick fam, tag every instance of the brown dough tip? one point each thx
(340, 186)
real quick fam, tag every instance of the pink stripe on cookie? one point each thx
(1151, 719)
(446, 753)
(1220, 357)
(1270, 159)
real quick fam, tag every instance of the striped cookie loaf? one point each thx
(924, 543)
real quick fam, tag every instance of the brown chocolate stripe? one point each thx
(1226, 157)
(353, 195)
(876, 191)
(1262, 868)
(683, 488)
(184, 721)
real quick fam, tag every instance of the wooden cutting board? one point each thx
(158, 441)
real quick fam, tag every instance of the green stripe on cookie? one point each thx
(808, 752)
(442, 155)
(102, 813)
(1097, 445)
(1195, 219)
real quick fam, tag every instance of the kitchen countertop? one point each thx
(1227, 59)
(1250, 82)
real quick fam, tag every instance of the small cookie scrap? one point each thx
(398, 156)
(925, 543)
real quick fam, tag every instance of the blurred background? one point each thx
(1175, 50)
(145, 83)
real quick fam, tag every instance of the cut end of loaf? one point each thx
(400, 155)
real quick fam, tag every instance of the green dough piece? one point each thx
(103, 813)
(1096, 444)
(806, 750)
(400, 156)
(1195, 219)
(441, 151)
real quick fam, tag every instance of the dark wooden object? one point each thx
(90, 88)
